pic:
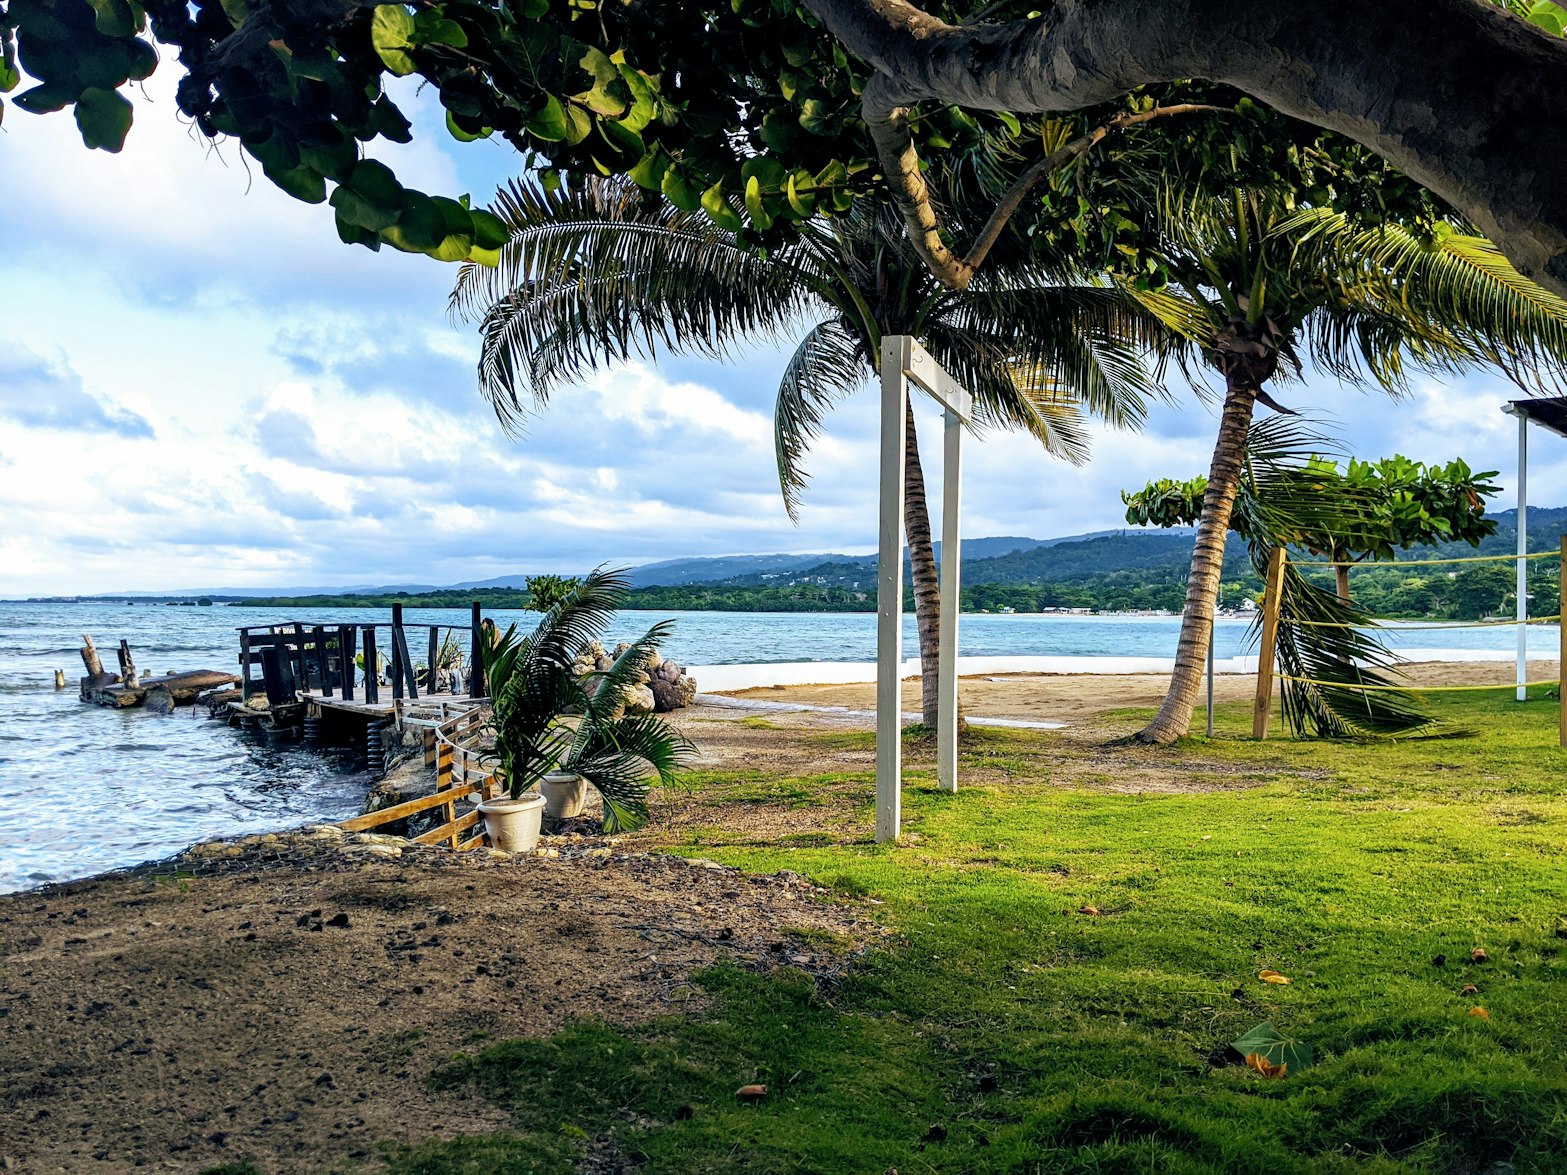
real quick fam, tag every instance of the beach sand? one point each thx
(1070, 698)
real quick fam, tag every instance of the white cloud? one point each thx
(215, 391)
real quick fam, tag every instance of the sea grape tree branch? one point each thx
(1454, 93)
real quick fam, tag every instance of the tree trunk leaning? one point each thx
(1202, 585)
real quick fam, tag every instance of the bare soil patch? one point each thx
(285, 1005)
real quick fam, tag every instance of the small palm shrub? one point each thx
(547, 719)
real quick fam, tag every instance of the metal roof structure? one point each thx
(1546, 411)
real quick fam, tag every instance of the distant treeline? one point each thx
(1442, 592)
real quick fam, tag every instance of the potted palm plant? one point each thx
(557, 731)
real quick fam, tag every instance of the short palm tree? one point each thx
(1269, 284)
(548, 719)
(598, 271)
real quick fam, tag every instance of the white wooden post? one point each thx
(951, 601)
(889, 591)
(1523, 550)
(903, 360)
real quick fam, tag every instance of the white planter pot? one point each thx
(563, 795)
(513, 825)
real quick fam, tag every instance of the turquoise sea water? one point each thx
(84, 789)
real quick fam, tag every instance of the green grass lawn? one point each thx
(1000, 1029)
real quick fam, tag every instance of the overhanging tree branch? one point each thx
(1457, 94)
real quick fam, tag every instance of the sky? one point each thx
(201, 387)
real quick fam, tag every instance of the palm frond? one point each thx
(598, 271)
(828, 364)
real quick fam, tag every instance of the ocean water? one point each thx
(84, 789)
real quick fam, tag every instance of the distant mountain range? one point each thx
(1007, 559)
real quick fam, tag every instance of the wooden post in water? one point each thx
(246, 682)
(432, 678)
(128, 672)
(372, 667)
(397, 660)
(347, 638)
(400, 642)
(475, 656)
(1262, 708)
(323, 662)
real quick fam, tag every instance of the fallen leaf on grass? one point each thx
(1090, 910)
(751, 1093)
(1478, 955)
(1268, 975)
(1480, 1012)
(1267, 1068)
(1267, 1043)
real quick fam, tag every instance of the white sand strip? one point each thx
(725, 702)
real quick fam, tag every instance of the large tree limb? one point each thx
(1460, 95)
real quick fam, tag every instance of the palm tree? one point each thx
(545, 718)
(599, 271)
(1267, 282)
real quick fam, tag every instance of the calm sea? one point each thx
(84, 789)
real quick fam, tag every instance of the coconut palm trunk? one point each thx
(922, 565)
(1341, 577)
(1202, 585)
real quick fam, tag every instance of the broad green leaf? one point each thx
(375, 181)
(354, 209)
(643, 106)
(388, 121)
(801, 199)
(650, 171)
(815, 116)
(463, 136)
(391, 33)
(1272, 1046)
(489, 230)
(44, 99)
(432, 29)
(549, 124)
(116, 18)
(303, 183)
(755, 205)
(420, 225)
(679, 193)
(719, 210)
(626, 142)
(104, 118)
(579, 123)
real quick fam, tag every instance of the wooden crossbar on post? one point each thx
(1262, 708)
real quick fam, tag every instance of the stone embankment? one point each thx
(665, 686)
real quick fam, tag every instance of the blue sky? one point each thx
(200, 386)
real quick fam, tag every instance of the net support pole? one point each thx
(1262, 708)
(889, 591)
(951, 601)
(1523, 550)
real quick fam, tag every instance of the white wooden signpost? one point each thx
(903, 360)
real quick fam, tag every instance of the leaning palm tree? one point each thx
(600, 271)
(1269, 284)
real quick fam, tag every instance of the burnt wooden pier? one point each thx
(315, 689)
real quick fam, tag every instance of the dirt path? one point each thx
(285, 1005)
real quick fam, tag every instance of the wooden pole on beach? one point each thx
(1262, 708)
(889, 591)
